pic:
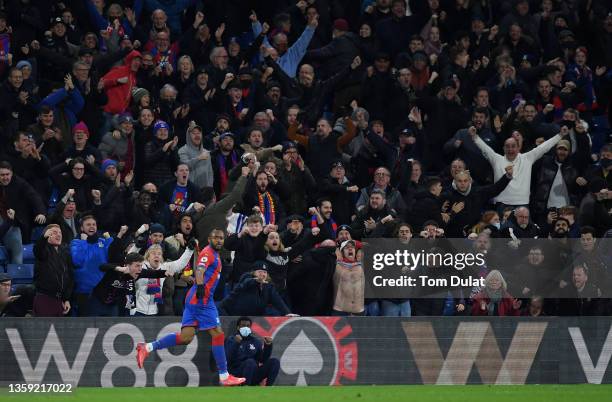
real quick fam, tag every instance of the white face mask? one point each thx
(244, 331)
(497, 225)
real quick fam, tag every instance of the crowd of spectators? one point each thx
(302, 129)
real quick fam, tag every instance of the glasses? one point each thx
(381, 174)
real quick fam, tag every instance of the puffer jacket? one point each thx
(546, 177)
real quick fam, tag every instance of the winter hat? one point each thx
(346, 243)
(157, 228)
(227, 134)
(125, 117)
(80, 126)
(22, 64)
(287, 145)
(108, 162)
(160, 124)
(341, 24)
(138, 94)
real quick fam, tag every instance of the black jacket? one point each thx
(26, 202)
(474, 202)
(250, 298)
(546, 176)
(248, 250)
(335, 55)
(53, 270)
(343, 201)
(426, 207)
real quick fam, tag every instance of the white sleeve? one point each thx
(541, 149)
(178, 265)
(487, 151)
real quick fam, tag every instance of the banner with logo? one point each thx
(100, 352)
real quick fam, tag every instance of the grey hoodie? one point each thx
(200, 171)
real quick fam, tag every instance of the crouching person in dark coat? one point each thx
(253, 294)
(249, 357)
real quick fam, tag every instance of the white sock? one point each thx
(223, 376)
(149, 347)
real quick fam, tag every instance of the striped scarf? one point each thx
(223, 171)
(267, 208)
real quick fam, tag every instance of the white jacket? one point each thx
(518, 190)
(145, 303)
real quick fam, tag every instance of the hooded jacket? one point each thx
(119, 95)
(200, 170)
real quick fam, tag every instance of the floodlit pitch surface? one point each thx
(400, 393)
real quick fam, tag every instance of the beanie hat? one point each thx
(108, 162)
(138, 94)
(341, 24)
(80, 126)
(159, 124)
(23, 63)
(157, 228)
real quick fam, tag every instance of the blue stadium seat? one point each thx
(4, 257)
(21, 273)
(28, 254)
(37, 232)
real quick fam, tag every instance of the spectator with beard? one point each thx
(197, 157)
(294, 230)
(144, 207)
(224, 159)
(222, 126)
(255, 145)
(324, 145)
(321, 217)
(582, 297)
(47, 134)
(88, 253)
(297, 178)
(558, 183)
(260, 198)
(376, 220)
(393, 198)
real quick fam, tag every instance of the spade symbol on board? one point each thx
(301, 357)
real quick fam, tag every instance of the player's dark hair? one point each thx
(320, 201)
(133, 257)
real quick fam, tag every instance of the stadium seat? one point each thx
(21, 273)
(4, 257)
(28, 254)
(37, 232)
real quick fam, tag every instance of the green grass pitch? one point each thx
(399, 393)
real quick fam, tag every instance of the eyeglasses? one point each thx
(381, 174)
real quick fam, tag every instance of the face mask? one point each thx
(497, 225)
(244, 331)
(605, 163)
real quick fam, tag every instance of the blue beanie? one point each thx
(108, 162)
